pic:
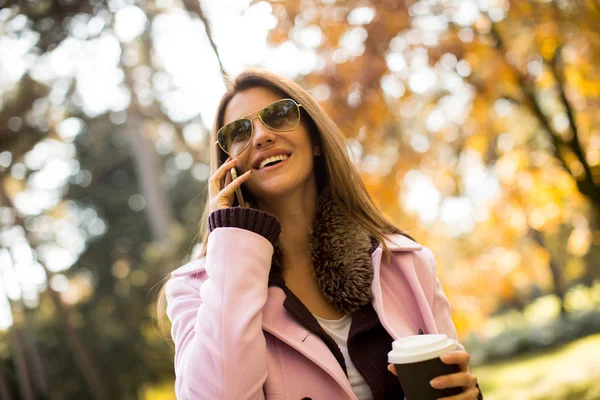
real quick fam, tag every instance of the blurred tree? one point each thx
(483, 110)
(131, 204)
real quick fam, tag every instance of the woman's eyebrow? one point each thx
(242, 117)
(256, 110)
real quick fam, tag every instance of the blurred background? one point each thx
(475, 125)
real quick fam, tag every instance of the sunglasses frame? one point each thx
(247, 117)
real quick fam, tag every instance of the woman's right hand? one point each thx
(222, 197)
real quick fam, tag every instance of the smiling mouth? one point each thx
(271, 161)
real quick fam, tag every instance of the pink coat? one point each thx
(234, 339)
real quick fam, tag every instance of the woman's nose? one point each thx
(262, 134)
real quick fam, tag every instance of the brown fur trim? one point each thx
(341, 256)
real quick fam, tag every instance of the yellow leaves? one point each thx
(461, 322)
(546, 218)
(480, 111)
(518, 221)
(546, 80)
(575, 166)
(80, 290)
(464, 321)
(478, 143)
(508, 165)
(13, 186)
(536, 260)
(537, 219)
(507, 290)
(59, 212)
(574, 269)
(574, 78)
(547, 48)
(591, 89)
(162, 391)
(579, 241)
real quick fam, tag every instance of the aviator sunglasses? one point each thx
(282, 115)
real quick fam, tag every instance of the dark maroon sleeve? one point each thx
(251, 219)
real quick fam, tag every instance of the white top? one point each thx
(338, 330)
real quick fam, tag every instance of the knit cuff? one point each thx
(251, 219)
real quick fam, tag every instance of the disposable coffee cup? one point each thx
(417, 361)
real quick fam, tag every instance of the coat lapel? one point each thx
(279, 323)
(408, 291)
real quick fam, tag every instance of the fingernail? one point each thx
(435, 382)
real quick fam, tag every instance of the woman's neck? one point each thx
(295, 213)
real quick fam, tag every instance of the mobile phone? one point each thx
(238, 190)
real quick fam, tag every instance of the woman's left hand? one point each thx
(464, 378)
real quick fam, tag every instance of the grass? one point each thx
(569, 372)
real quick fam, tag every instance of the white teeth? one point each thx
(280, 157)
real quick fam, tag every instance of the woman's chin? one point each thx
(272, 190)
(272, 193)
(278, 186)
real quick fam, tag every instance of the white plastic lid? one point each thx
(418, 348)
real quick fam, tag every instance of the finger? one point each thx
(214, 183)
(457, 357)
(459, 379)
(236, 183)
(392, 369)
(469, 394)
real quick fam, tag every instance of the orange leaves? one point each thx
(333, 31)
(476, 137)
(278, 36)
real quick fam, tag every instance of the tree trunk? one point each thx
(4, 393)
(84, 360)
(147, 163)
(147, 166)
(37, 369)
(23, 376)
(555, 272)
(29, 348)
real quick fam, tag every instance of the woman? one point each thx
(291, 297)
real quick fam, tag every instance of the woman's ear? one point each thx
(316, 150)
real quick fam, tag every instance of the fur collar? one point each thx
(341, 255)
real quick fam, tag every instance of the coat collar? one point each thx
(401, 243)
(341, 250)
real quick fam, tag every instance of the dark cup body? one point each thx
(414, 379)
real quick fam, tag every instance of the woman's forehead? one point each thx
(247, 102)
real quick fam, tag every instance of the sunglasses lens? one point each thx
(281, 115)
(234, 137)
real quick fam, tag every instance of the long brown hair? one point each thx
(335, 170)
